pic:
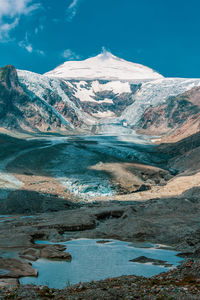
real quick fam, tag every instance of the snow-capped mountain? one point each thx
(58, 100)
(104, 66)
(78, 103)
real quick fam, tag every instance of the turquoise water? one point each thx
(95, 261)
(8, 254)
(3, 272)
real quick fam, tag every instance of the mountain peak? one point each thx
(8, 77)
(104, 66)
(105, 54)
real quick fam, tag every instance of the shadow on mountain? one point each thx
(192, 193)
(28, 157)
(31, 202)
(182, 146)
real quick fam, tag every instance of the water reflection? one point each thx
(94, 261)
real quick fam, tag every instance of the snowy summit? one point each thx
(104, 66)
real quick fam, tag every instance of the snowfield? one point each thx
(104, 66)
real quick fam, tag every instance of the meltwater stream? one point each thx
(92, 260)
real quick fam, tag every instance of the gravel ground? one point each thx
(180, 283)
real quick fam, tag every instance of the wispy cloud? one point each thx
(6, 27)
(39, 28)
(72, 10)
(25, 44)
(10, 13)
(69, 54)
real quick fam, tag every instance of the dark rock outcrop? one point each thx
(156, 262)
(18, 111)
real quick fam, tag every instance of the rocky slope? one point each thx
(177, 118)
(89, 100)
(19, 112)
(114, 106)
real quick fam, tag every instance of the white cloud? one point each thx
(72, 9)
(25, 44)
(10, 13)
(13, 8)
(29, 48)
(5, 28)
(69, 54)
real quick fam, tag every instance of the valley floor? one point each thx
(88, 168)
(61, 188)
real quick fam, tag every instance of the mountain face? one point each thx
(104, 66)
(79, 104)
(19, 112)
(178, 117)
(155, 92)
(12, 97)
(112, 97)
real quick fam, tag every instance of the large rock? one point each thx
(8, 282)
(157, 262)
(46, 251)
(17, 268)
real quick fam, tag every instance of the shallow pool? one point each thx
(94, 261)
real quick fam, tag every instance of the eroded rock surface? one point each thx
(17, 268)
(45, 251)
(8, 282)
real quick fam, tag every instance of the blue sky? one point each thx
(38, 35)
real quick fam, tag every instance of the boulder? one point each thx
(157, 262)
(45, 251)
(17, 268)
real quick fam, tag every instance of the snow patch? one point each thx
(87, 94)
(117, 87)
(105, 114)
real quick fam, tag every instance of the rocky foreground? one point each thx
(165, 213)
(180, 283)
